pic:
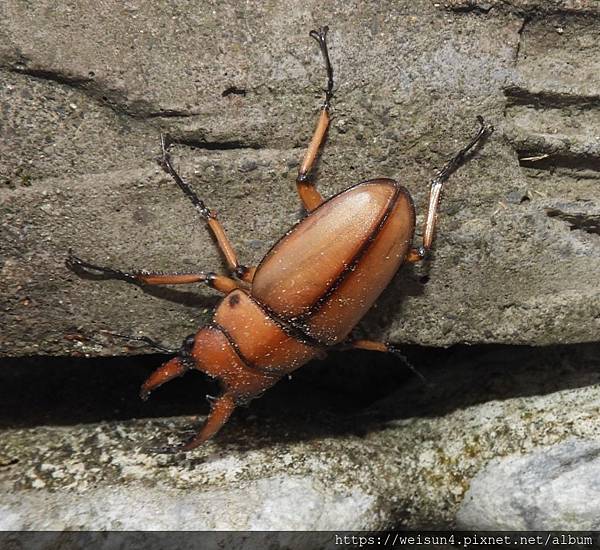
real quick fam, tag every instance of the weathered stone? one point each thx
(86, 90)
(405, 461)
(555, 488)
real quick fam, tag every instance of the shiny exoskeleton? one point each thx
(308, 292)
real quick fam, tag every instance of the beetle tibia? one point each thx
(169, 370)
(220, 412)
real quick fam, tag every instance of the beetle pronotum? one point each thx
(308, 292)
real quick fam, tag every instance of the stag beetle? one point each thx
(308, 292)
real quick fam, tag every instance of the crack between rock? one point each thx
(541, 9)
(90, 88)
(477, 8)
(105, 98)
(578, 221)
(550, 161)
(216, 145)
(525, 22)
(517, 95)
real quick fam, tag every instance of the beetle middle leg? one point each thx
(309, 195)
(385, 347)
(220, 283)
(435, 191)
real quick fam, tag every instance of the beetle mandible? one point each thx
(311, 288)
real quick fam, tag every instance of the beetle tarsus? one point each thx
(205, 213)
(459, 158)
(394, 350)
(144, 394)
(144, 340)
(74, 263)
(168, 449)
(309, 195)
(321, 37)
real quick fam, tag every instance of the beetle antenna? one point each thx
(149, 342)
(321, 37)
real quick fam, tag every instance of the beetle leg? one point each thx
(143, 339)
(206, 214)
(220, 411)
(309, 195)
(385, 347)
(167, 371)
(218, 282)
(435, 192)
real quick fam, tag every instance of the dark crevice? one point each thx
(167, 113)
(352, 391)
(140, 110)
(112, 99)
(541, 160)
(520, 32)
(60, 78)
(579, 221)
(473, 7)
(215, 145)
(540, 9)
(517, 95)
(233, 90)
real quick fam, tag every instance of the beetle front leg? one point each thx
(147, 341)
(309, 195)
(218, 282)
(435, 192)
(168, 371)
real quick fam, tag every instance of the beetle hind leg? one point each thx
(385, 347)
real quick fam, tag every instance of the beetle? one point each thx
(308, 292)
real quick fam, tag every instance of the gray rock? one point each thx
(554, 488)
(406, 461)
(264, 505)
(85, 92)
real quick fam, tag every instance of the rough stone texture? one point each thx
(85, 91)
(552, 489)
(294, 463)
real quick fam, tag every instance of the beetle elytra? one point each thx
(308, 292)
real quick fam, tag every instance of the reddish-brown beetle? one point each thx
(311, 288)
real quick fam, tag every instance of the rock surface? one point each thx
(555, 488)
(405, 461)
(85, 91)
